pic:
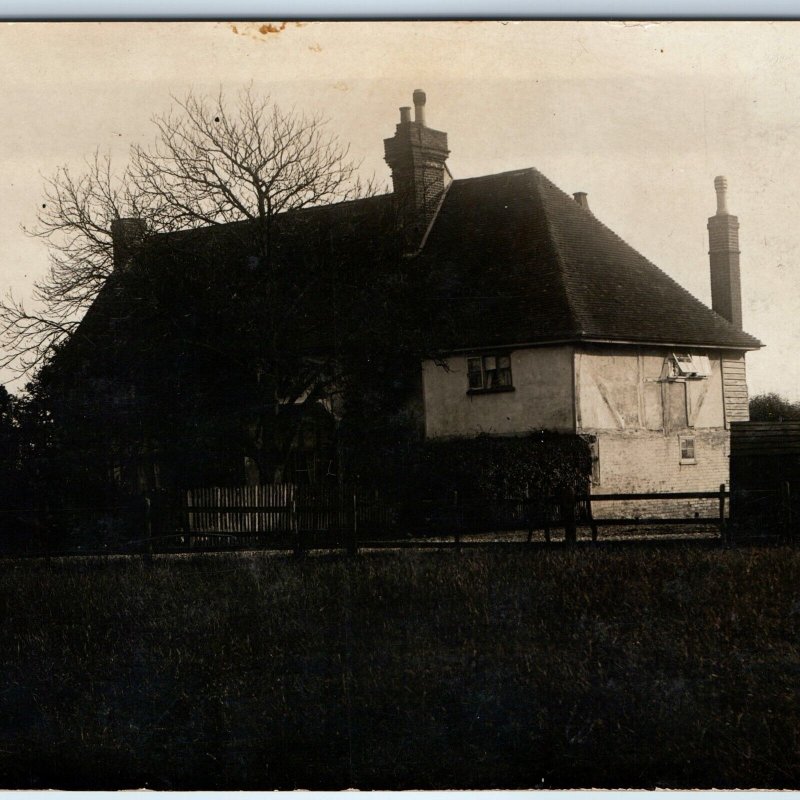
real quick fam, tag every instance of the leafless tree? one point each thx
(75, 220)
(212, 161)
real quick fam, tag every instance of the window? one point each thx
(685, 365)
(489, 373)
(687, 450)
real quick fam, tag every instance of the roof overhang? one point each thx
(589, 340)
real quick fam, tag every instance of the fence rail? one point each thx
(275, 515)
(299, 518)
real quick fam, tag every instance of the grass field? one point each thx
(637, 667)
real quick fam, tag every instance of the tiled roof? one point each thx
(510, 260)
(516, 260)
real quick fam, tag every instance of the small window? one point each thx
(489, 373)
(685, 365)
(687, 450)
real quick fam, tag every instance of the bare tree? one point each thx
(75, 220)
(212, 161)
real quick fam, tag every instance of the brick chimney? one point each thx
(127, 236)
(582, 199)
(416, 155)
(723, 240)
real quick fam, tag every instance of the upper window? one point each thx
(489, 372)
(686, 365)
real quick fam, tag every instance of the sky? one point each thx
(642, 116)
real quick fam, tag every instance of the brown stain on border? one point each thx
(268, 27)
(260, 31)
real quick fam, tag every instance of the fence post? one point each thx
(592, 523)
(352, 545)
(786, 503)
(529, 511)
(148, 528)
(526, 511)
(458, 519)
(548, 510)
(723, 530)
(298, 536)
(568, 515)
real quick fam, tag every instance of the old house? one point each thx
(545, 319)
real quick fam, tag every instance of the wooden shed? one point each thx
(765, 474)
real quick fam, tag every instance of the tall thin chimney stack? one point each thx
(723, 251)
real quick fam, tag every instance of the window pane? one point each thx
(474, 373)
(687, 449)
(488, 372)
(503, 377)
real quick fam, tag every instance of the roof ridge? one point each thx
(576, 326)
(505, 173)
(280, 215)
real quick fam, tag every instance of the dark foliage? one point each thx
(539, 464)
(203, 353)
(773, 408)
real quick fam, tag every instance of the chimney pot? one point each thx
(721, 185)
(405, 114)
(419, 106)
(582, 199)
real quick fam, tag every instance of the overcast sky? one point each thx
(641, 116)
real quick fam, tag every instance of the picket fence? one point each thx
(283, 508)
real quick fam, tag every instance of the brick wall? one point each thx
(641, 461)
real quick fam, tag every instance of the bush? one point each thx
(773, 408)
(540, 463)
(494, 467)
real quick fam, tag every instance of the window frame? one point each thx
(495, 383)
(685, 443)
(689, 366)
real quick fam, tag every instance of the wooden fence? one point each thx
(301, 517)
(270, 515)
(293, 517)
